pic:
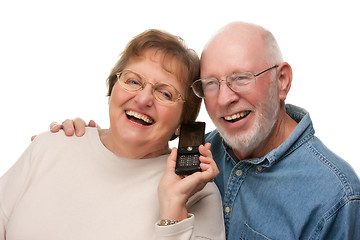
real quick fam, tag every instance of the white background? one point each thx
(55, 57)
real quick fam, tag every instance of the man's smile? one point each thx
(237, 116)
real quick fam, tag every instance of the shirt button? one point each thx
(227, 209)
(259, 168)
(238, 173)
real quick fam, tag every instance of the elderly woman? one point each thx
(120, 183)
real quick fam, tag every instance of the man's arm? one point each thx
(341, 222)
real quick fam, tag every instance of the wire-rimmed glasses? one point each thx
(162, 92)
(238, 82)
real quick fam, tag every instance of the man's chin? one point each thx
(234, 139)
(240, 144)
(243, 143)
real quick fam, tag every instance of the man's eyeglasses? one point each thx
(238, 82)
(162, 92)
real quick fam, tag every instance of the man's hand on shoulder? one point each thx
(70, 127)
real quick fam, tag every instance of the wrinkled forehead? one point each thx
(232, 52)
(170, 63)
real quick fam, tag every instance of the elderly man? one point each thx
(277, 180)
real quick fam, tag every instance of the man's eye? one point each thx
(209, 84)
(240, 80)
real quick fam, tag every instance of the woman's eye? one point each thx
(165, 94)
(133, 81)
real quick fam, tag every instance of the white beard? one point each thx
(265, 118)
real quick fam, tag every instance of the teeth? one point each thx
(139, 116)
(236, 116)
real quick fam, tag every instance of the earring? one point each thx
(177, 131)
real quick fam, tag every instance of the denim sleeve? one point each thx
(342, 222)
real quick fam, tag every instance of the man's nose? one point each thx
(226, 95)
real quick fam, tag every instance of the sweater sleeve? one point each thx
(205, 221)
(12, 185)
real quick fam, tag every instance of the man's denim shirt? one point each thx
(300, 190)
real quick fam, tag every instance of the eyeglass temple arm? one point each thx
(275, 66)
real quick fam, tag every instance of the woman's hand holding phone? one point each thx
(175, 190)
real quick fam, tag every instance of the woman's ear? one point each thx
(176, 133)
(284, 78)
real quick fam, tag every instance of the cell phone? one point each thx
(191, 137)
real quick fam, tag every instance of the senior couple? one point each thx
(276, 179)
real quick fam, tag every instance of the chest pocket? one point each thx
(250, 234)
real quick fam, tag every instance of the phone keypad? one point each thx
(189, 160)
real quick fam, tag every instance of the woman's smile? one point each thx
(138, 118)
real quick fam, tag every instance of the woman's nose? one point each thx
(145, 96)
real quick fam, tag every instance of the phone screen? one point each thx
(191, 135)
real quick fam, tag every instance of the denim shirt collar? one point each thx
(303, 131)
